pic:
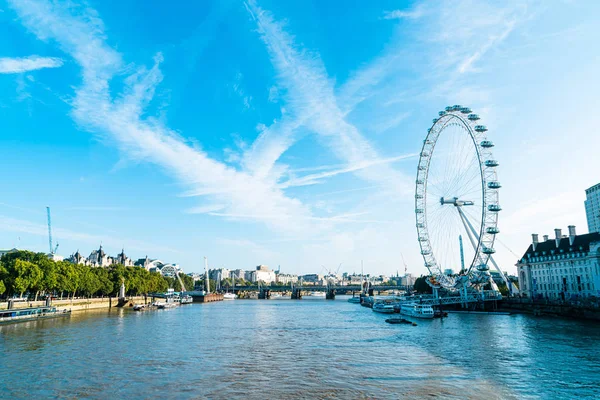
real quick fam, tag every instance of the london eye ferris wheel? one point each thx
(457, 196)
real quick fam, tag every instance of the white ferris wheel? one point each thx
(457, 196)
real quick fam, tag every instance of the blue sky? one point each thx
(284, 133)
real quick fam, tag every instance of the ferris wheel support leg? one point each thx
(510, 286)
(466, 222)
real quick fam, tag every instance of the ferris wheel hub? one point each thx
(455, 201)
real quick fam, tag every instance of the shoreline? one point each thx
(75, 304)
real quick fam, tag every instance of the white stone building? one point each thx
(592, 208)
(98, 258)
(264, 274)
(286, 279)
(566, 267)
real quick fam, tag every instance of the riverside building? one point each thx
(592, 208)
(565, 267)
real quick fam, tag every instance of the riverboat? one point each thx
(317, 294)
(384, 308)
(417, 310)
(29, 314)
(354, 299)
(186, 299)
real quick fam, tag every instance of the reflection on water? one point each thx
(297, 349)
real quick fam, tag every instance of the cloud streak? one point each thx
(25, 64)
(80, 33)
(312, 101)
(314, 179)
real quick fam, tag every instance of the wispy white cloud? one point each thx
(314, 179)
(404, 14)
(493, 40)
(239, 90)
(25, 64)
(313, 104)
(80, 33)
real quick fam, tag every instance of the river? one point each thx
(284, 349)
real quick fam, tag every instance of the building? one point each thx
(123, 259)
(286, 279)
(566, 267)
(592, 208)
(3, 252)
(78, 258)
(98, 258)
(313, 279)
(237, 274)
(219, 274)
(407, 280)
(264, 274)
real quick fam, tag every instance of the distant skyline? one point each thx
(284, 133)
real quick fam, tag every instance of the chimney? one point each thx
(545, 238)
(534, 237)
(572, 234)
(558, 234)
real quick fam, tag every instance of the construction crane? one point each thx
(52, 249)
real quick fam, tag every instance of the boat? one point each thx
(139, 307)
(383, 307)
(232, 295)
(275, 295)
(186, 299)
(162, 306)
(317, 294)
(400, 321)
(229, 296)
(417, 310)
(32, 313)
(354, 299)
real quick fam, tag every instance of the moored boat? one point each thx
(400, 321)
(229, 296)
(354, 299)
(417, 310)
(383, 307)
(29, 314)
(186, 299)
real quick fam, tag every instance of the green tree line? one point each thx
(25, 272)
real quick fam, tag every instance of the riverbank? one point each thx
(526, 306)
(75, 304)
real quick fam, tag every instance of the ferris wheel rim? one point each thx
(487, 229)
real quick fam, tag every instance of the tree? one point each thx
(188, 281)
(2, 287)
(68, 279)
(27, 276)
(421, 285)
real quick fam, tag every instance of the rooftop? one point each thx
(580, 244)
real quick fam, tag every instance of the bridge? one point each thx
(318, 288)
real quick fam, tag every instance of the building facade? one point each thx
(286, 279)
(264, 274)
(566, 267)
(592, 208)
